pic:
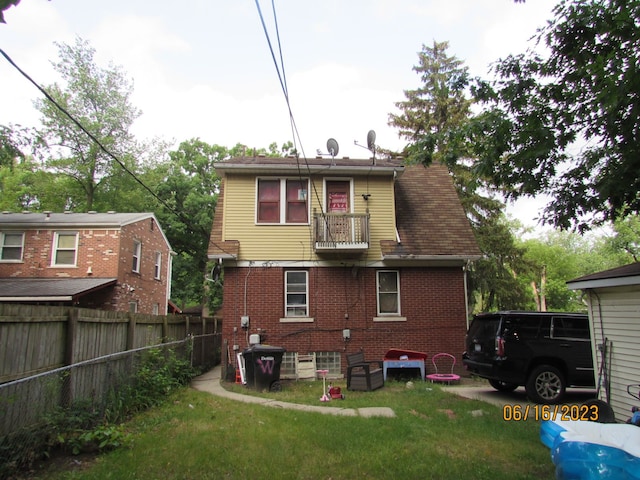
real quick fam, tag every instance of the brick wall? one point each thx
(103, 253)
(147, 291)
(97, 249)
(432, 301)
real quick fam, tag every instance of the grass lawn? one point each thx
(195, 435)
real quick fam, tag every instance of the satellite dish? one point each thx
(332, 147)
(371, 140)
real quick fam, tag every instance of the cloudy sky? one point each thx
(203, 68)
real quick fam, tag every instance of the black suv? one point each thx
(544, 351)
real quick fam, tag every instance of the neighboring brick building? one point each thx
(107, 261)
(333, 256)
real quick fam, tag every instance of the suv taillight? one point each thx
(500, 346)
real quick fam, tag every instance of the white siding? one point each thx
(615, 314)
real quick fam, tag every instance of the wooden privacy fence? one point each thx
(35, 339)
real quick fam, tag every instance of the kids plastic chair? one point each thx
(446, 361)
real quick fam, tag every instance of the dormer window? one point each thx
(282, 200)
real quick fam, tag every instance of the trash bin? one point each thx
(262, 367)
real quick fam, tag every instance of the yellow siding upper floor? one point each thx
(295, 241)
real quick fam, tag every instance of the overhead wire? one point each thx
(285, 90)
(179, 215)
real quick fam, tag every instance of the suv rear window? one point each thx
(521, 327)
(484, 327)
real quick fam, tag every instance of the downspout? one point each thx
(604, 349)
(465, 268)
(169, 275)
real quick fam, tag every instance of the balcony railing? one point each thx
(340, 232)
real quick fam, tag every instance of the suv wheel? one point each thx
(502, 386)
(546, 385)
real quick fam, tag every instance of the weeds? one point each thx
(95, 425)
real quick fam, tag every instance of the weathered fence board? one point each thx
(35, 339)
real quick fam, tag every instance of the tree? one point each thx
(99, 99)
(567, 123)
(495, 280)
(434, 118)
(4, 5)
(189, 187)
(625, 240)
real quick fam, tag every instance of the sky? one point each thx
(203, 68)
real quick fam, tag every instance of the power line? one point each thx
(285, 90)
(104, 149)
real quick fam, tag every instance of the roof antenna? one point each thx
(371, 144)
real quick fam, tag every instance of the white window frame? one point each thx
(136, 259)
(287, 292)
(283, 200)
(3, 246)
(157, 271)
(57, 248)
(133, 307)
(397, 293)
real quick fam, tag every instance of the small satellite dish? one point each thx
(371, 140)
(332, 147)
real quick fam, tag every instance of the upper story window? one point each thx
(388, 286)
(137, 251)
(157, 269)
(296, 292)
(282, 200)
(65, 249)
(11, 246)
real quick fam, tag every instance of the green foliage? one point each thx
(95, 425)
(625, 240)
(431, 112)
(565, 122)
(434, 118)
(495, 279)
(190, 187)
(559, 256)
(4, 5)
(98, 98)
(160, 372)
(100, 439)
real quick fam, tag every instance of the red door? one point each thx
(339, 206)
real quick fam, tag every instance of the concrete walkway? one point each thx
(210, 383)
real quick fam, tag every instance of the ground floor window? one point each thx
(329, 361)
(296, 288)
(388, 292)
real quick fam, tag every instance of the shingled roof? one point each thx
(217, 247)
(620, 276)
(430, 219)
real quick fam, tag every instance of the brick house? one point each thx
(107, 261)
(333, 256)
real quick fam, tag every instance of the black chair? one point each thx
(363, 375)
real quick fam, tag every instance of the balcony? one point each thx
(341, 232)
